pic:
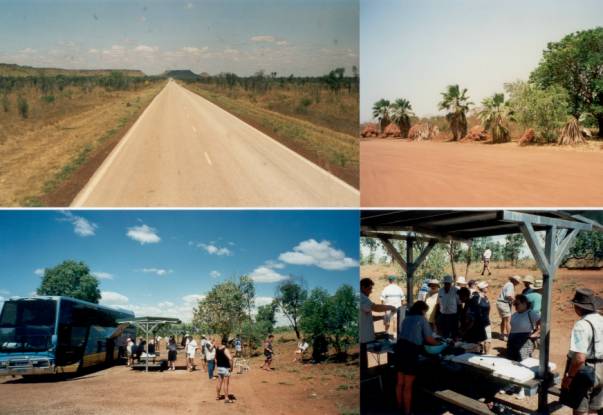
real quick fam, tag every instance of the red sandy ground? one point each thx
(562, 319)
(395, 172)
(289, 389)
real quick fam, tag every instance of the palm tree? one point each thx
(400, 113)
(456, 102)
(494, 115)
(381, 111)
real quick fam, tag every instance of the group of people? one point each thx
(460, 311)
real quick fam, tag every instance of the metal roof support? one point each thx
(548, 258)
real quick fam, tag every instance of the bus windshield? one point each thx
(27, 325)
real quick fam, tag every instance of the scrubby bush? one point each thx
(23, 107)
(49, 99)
(5, 103)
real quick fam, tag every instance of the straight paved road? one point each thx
(185, 151)
(399, 173)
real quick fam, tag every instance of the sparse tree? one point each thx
(381, 112)
(290, 296)
(400, 113)
(456, 102)
(495, 115)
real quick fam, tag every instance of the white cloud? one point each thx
(214, 249)
(145, 49)
(282, 43)
(260, 301)
(320, 254)
(274, 264)
(39, 272)
(191, 50)
(263, 38)
(214, 274)
(115, 51)
(112, 298)
(192, 299)
(93, 51)
(27, 50)
(102, 275)
(81, 226)
(143, 234)
(159, 271)
(265, 274)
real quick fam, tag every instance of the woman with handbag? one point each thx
(582, 386)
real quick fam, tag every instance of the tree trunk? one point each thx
(468, 260)
(382, 124)
(599, 117)
(451, 255)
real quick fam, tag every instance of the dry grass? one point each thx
(42, 150)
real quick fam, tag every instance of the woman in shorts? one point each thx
(172, 353)
(224, 365)
(414, 334)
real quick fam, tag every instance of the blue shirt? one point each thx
(415, 329)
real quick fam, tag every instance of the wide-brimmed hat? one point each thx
(529, 279)
(586, 299)
(392, 278)
(461, 280)
(481, 285)
(433, 282)
(515, 277)
(447, 279)
(537, 285)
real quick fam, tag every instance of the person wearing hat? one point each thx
(461, 282)
(486, 260)
(392, 295)
(531, 292)
(472, 285)
(585, 355)
(448, 309)
(367, 319)
(431, 299)
(503, 305)
(484, 303)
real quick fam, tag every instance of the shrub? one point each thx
(49, 99)
(5, 103)
(23, 107)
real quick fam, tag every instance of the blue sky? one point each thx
(414, 49)
(161, 262)
(303, 37)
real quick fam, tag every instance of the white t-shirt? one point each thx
(367, 329)
(582, 337)
(508, 290)
(191, 347)
(487, 254)
(303, 346)
(449, 301)
(392, 295)
(210, 355)
(524, 322)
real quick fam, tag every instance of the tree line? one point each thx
(562, 95)
(229, 308)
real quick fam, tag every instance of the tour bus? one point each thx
(51, 334)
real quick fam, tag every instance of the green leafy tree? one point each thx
(381, 110)
(400, 113)
(290, 297)
(495, 115)
(72, 279)
(576, 64)
(456, 102)
(512, 247)
(343, 319)
(544, 109)
(222, 310)
(371, 245)
(587, 246)
(247, 290)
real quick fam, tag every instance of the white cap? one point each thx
(461, 280)
(482, 284)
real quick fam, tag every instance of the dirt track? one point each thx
(186, 151)
(289, 389)
(399, 173)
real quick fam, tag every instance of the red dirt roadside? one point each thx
(400, 173)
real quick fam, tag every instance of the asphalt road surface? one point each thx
(184, 151)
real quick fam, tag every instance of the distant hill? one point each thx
(9, 69)
(181, 74)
